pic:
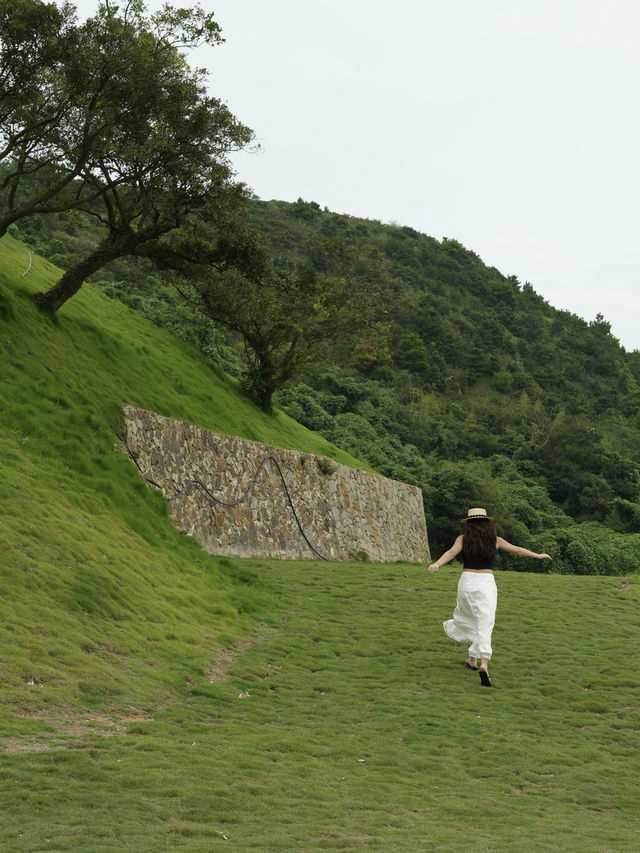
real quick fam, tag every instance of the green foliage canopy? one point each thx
(121, 120)
(288, 318)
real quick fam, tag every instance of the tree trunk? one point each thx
(261, 393)
(259, 383)
(70, 283)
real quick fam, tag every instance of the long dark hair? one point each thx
(479, 539)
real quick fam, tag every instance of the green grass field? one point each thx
(155, 697)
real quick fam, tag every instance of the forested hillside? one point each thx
(481, 375)
(465, 382)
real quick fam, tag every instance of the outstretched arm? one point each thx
(503, 545)
(448, 555)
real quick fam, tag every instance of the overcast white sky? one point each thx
(512, 126)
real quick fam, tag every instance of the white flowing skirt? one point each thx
(475, 613)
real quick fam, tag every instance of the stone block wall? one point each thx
(253, 500)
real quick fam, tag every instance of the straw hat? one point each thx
(477, 513)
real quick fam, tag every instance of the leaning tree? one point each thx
(131, 136)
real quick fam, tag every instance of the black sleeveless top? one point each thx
(478, 562)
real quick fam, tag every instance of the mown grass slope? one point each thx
(102, 598)
(351, 724)
(153, 697)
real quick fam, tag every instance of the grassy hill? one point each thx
(84, 539)
(155, 697)
(467, 383)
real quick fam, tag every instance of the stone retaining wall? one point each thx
(300, 506)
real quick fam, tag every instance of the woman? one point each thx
(475, 612)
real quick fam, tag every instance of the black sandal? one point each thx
(469, 665)
(485, 681)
